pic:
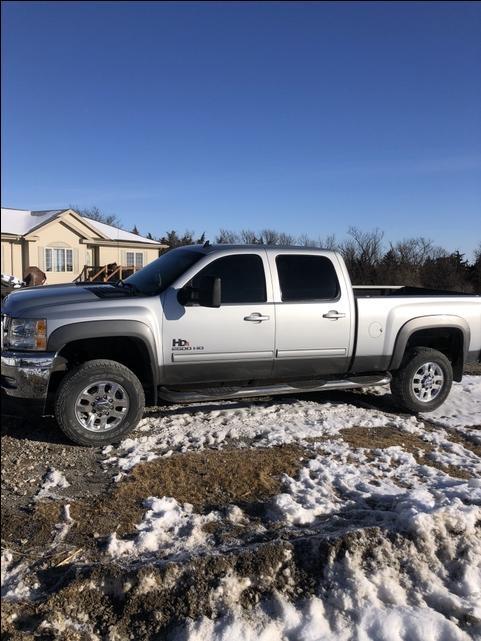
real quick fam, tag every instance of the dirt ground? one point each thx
(211, 479)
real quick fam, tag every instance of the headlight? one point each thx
(27, 333)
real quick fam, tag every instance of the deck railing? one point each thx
(105, 273)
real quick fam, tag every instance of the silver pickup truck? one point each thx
(223, 322)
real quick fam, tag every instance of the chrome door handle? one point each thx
(333, 315)
(256, 318)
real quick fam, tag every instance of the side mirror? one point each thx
(210, 292)
(185, 296)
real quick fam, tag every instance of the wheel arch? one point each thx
(447, 333)
(128, 342)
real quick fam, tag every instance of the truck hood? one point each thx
(33, 302)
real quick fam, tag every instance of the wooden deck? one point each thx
(105, 273)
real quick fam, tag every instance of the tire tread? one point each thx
(401, 380)
(66, 391)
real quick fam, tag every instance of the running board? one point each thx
(228, 393)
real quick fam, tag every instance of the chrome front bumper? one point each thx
(27, 375)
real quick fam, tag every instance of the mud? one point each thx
(151, 601)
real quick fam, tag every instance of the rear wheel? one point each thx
(423, 381)
(99, 402)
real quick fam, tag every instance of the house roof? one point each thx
(113, 233)
(20, 222)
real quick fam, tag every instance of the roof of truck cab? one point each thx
(225, 247)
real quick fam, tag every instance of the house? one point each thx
(62, 242)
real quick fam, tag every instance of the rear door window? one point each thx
(307, 278)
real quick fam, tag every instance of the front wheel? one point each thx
(423, 381)
(99, 402)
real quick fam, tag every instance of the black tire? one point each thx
(129, 392)
(402, 390)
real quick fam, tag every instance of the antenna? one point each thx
(206, 244)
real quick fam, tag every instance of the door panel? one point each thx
(313, 337)
(308, 344)
(234, 342)
(206, 345)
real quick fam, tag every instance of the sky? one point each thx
(303, 117)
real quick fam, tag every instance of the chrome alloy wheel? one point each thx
(427, 382)
(102, 406)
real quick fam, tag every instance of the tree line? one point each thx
(415, 262)
(370, 259)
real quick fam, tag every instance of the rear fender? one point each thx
(441, 321)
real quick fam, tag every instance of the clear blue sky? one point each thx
(305, 117)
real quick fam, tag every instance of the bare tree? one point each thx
(286, 239)
(305, 241)
(94, 213)
(411, 261)
(227, 237)
(368, 245)
(476, 270)
(249, 237)
(363, 253)
(269, 237)
(329, 242)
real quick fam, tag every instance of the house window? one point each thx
(135, 259)
(58, 259)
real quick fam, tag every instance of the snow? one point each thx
(402, 543)
(261, 424)
(417, 588)
(53, 479)
(21, 222)
(17, 580)
(392, 490)
(13, 575)
(462, 408)
(373, 591)
(12, 281)
(114, 233)
(280, 620)
(167, 528)
(266, 423)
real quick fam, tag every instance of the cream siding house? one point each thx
(62, 242)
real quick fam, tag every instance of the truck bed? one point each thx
(374, 291)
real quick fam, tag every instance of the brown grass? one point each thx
(465, 441)
(207, 479)
(383, 437)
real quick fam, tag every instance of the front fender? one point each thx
(66, 334)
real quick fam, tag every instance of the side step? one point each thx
(228, 393)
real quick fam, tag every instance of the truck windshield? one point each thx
(161, 273)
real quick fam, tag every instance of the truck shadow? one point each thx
(45, 429)
(382, 403)
(35, 428)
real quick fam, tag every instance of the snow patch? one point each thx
(167, 529)
(53, 479)
(14, 578)
(280, 620)
(462, 408)
(262, 424)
